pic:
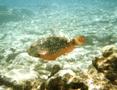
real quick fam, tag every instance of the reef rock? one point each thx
(8, 84)
(63, 80)
(107, 63)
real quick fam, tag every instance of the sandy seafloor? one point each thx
(24, 21)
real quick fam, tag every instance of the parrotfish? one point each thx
(54, 47)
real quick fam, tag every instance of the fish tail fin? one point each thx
(79, 40)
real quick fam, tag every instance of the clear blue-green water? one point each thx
(24, 21)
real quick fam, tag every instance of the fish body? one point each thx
(55, 50)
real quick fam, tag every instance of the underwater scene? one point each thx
(58, 44)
